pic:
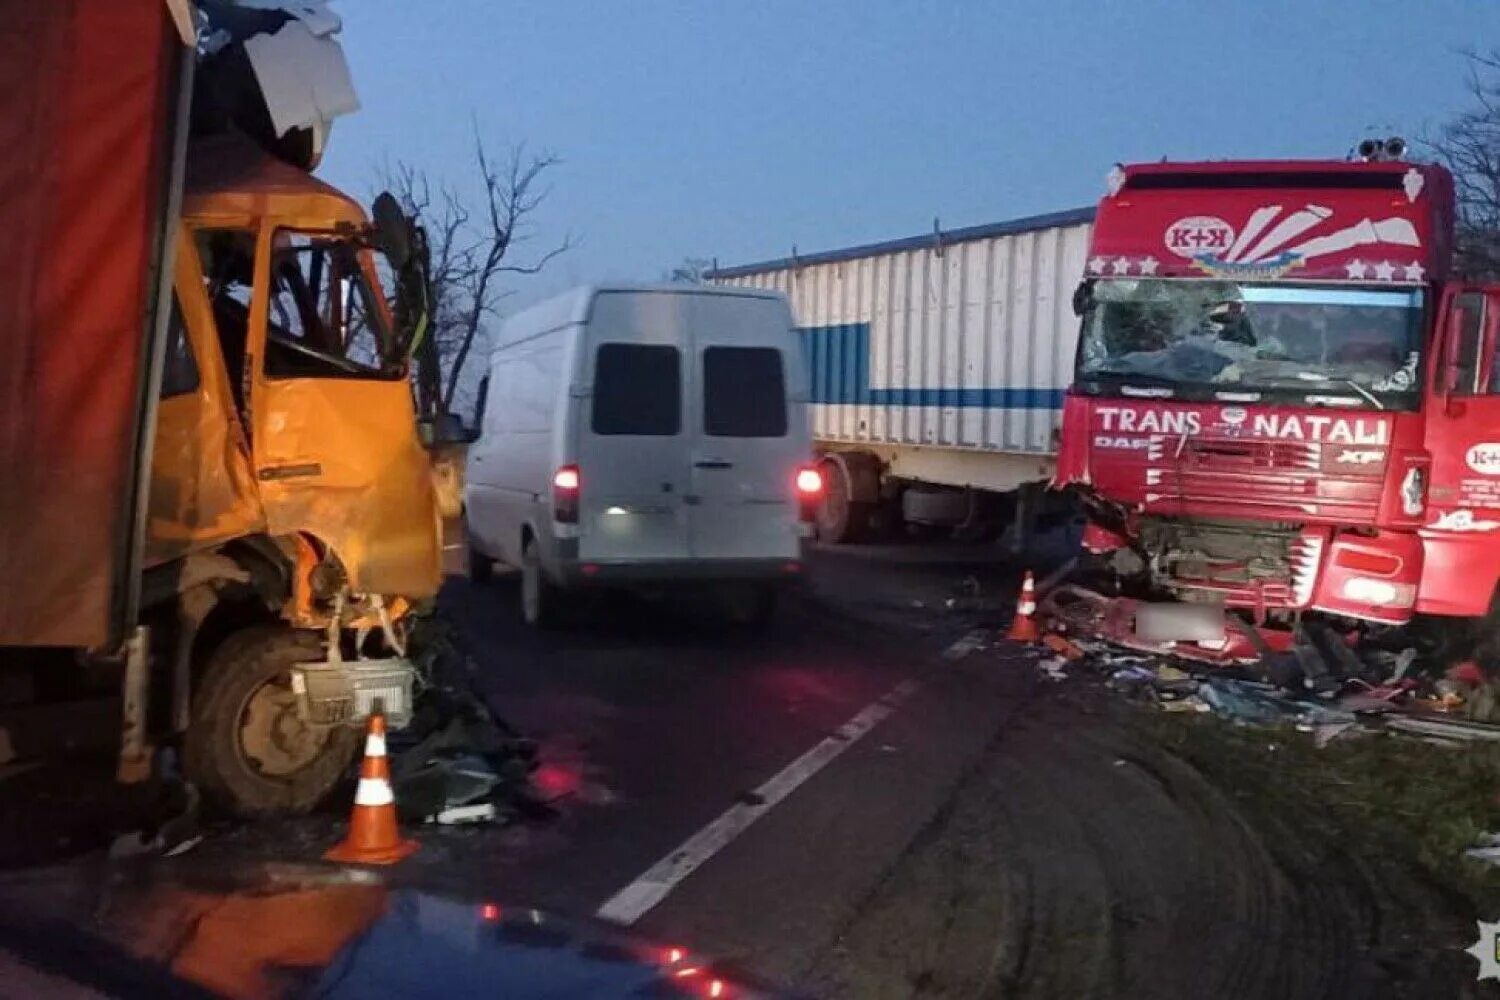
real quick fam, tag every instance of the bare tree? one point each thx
(1469, 145)
(691, 271)
(471, 249)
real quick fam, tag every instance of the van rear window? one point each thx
(744, 392)
(637, 390)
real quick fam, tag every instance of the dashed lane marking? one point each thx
(632, 902)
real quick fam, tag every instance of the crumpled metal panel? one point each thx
(340, 459)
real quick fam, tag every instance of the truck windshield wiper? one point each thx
(1134, 379)
(1346, 382)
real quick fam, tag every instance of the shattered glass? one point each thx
(1225, 334)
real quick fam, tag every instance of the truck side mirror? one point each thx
(445, 428)
(392, 229)
(1083, 297)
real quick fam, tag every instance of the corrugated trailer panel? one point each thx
(961, 341)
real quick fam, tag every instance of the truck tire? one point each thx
(840, 518)
(246, 748)
(539, 596)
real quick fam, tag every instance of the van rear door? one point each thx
(632, 458)
(748, 442)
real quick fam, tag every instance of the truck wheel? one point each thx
(247, 748)
(539, 597)
(840, 518)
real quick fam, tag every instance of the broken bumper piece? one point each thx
(346, 693)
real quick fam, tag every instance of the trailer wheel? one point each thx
(840, 518)
(247, 748)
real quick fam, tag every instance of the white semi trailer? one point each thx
(937, 367)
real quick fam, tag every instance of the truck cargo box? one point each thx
(85, 99)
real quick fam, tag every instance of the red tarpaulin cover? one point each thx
(83, 106)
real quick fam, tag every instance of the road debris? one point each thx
(1062, 646)
(1487, 849)
(457, 756)
(1054, 669)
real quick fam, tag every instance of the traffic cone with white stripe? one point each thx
(374, 838)
(1023, 626)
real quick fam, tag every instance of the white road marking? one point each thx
(631, 903)
(971, 641)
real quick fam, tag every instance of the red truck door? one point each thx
(1462, 537)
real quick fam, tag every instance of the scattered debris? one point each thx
(177, 833)
(1486, 850)
(456, 756)
(1062, 646)
(1053, 669)
(483, 812)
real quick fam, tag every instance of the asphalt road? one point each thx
(875, 797)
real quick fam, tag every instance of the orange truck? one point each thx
(215, 486)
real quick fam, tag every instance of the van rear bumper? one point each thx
(687, 571)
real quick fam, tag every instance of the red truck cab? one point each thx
(1283, 401)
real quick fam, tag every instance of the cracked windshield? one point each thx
(1252, 337)
(841, 501)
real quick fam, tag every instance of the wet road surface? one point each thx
(839, 807)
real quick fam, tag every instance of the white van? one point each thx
(642, 436)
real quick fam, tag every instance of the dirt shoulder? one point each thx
(1101, 850)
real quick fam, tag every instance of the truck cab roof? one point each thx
(229, 178)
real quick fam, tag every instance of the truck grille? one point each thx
(1257, 475)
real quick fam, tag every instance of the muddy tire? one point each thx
(246, 748)
(840, 518)
(539, 596)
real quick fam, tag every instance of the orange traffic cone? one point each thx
(373, 836)
(1023, 625)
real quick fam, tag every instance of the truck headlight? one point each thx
(1414, 492)
(1366, 590)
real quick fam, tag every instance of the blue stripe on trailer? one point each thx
(838, 366)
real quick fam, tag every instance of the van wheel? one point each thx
(479, 567)
(539, 597)
(247, 748)
(839, 517)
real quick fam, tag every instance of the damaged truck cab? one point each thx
(292, 520)
(1284, 403)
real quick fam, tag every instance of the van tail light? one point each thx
(566, 485)
(809, 491)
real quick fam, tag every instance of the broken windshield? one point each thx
(1236, 337)
(326, 319)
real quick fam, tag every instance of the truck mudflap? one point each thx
(1084, 612)
(348, 692)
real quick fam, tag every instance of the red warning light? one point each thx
(489, 912)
